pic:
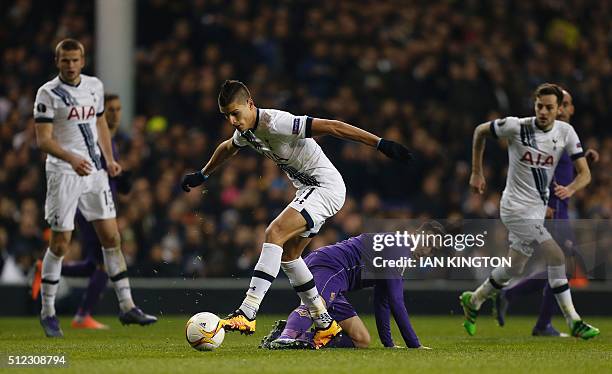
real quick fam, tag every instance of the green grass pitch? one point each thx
(162, 348)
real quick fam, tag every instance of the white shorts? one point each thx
(525, 226)
(317, 204)
(67, 192)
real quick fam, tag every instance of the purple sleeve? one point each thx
(552, 199)
(395, 288)
(564, 175)
(115, 150)
(382, 313)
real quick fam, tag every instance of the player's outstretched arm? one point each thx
(395, 289)
(343, 130)
(382, 314)
(224, 151)
(46, 143)
(104, 140)
(477, 180)
(582, 179)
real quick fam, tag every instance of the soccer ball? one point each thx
(204, 331)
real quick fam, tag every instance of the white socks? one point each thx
(499, 279)
(265, 272)
(51, 273)
(302, 281)
(560, 288)
(300, 278)
(117, 272)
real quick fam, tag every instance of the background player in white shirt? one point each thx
(69, 126)
(286, 139)
(535, 145)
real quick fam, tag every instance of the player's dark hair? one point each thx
(231, 91)
(549, 89)
(110, 97)
(69, 45)
(436, 228)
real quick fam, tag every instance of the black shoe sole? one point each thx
(61, 333)
(125, 323)
(291, 346)
(278, 327)
(242, 332)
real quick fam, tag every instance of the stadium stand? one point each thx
(398, 73)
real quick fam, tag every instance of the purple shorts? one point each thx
(332, 284)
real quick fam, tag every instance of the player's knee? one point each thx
(557, 257)
(516, 269)
(110, 240)
(59, 249)
(59, 244)
(553, 253)
(361, 339)
(289, 255)
(518, 261)
(275, 234)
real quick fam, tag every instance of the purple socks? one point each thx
(97, 284)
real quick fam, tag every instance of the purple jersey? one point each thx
(342, 255)
(345, 261)
(564, 175)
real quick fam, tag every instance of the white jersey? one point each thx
(285, 139)
(74, 111)
(533, 156)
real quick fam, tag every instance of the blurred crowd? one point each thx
(419, 72)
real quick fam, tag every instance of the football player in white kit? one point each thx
(535, 145)
(69, 126)
(287, 140)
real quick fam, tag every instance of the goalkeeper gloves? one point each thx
(193, 180)
(394, 150)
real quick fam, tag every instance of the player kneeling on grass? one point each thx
(337, 269)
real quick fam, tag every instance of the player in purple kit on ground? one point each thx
(563, 234)
(338, 269)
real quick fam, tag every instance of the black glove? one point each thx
(394, 150)
(124, 182)
(193, 180)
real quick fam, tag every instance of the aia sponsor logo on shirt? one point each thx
(534, 159)
(81, 113)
